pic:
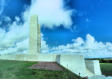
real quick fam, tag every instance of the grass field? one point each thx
(20, 70)
(106, 69)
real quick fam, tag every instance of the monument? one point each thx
(75, 63)
(34, 36)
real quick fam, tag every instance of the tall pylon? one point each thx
(34, 36)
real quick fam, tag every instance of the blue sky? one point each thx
(91, 16)
(14, 8)
(95, 18)
(90, 20)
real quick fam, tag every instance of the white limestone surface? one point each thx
(19, 57)
(93, 66)
(30, 57)
(74, 63)
(34, 36)
(47, 57)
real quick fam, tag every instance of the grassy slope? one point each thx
(19, 70)
(106, 69)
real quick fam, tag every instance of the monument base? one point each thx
(75, 63)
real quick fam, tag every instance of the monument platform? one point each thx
(75, 63)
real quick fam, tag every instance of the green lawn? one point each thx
(20, 70)
(106, 69)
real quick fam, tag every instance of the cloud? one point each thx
(11, 41)
(15, 40)
(44, 46)
(89, 48)
(52, 12)
(20, 47)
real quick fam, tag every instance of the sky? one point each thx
(79, 26)
(91, 16)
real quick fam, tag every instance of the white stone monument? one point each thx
(75, 63)
(34, 36)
